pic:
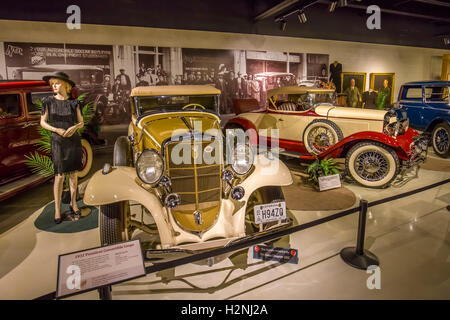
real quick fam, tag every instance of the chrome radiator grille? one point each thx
(198, 183)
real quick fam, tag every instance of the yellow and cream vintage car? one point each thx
(374, 143)
(172, 183)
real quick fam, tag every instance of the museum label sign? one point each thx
(94, 268)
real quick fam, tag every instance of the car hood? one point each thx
(160, 127)
(354, 113)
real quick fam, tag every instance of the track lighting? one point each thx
(283, 25)
(302, 17)
(332, 6)
(446, 40)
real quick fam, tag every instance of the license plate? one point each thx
(270, 212)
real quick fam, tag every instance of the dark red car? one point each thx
(19, 120)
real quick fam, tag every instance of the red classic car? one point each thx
(19, 120)
(375, 143)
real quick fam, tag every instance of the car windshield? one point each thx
(177, 103)
(308, 99)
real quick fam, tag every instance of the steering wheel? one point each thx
(194, 106)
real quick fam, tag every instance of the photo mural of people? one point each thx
(112, 71)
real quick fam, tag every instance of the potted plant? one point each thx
(40, 161)
(322, 168)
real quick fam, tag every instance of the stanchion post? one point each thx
(357, 257)
(105, 293)
(361, 227)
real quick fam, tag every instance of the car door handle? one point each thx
(280, 119)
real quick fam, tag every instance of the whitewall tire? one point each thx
(372, 164)
(86, 158)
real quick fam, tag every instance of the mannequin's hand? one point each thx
(69, 132)
(61, 132)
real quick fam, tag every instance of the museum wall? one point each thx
(408, 63)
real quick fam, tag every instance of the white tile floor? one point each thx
(411, 238)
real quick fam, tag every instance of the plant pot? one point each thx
(65, 197)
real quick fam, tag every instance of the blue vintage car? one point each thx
(427, 105)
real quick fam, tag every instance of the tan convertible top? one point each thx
(296, 90)
(174, 90)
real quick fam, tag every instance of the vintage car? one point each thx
(89, 80)
(374, 143)
(19, 120)
(172, 182)
(427, 105)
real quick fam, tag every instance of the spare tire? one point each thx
(320, 135)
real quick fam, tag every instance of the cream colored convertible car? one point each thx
(170, 184)
(374, 143)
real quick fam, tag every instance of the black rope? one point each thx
(409, 193)
(268, 236)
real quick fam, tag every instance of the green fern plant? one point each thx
(41, 163)
(325, 167)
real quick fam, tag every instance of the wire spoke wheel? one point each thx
(320, 139)
(372, 166)
(441, 139)
(320, 135)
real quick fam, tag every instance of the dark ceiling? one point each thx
(423, 23)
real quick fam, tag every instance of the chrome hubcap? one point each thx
(372, 165)
(320, 138)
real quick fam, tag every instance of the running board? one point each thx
(11, 189)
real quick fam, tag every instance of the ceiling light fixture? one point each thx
(302, 16)
(343, 3)
(446, 40)
(283, 24)
(332, 6)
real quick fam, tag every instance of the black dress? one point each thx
(66, 152)
(335, 75)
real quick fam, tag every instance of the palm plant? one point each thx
(40, 162)
(325, 167)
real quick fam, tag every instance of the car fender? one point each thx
(266, 173)
(247, 125)
(400, 144)
(120, 185)
(435, 122)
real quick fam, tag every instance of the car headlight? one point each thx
(242, 160)
(392, 129)
(404, 125)
(149, 166)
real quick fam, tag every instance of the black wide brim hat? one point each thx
(59, 75)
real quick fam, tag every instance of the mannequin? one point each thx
(62, 116)
(335, 75)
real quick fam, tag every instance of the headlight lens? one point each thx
(391, 129)
(242, 159)
(404, 125)
(149, 166)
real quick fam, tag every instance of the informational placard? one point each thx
(93, 268)
(283, 255)
(270, 212)
(329, 182)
